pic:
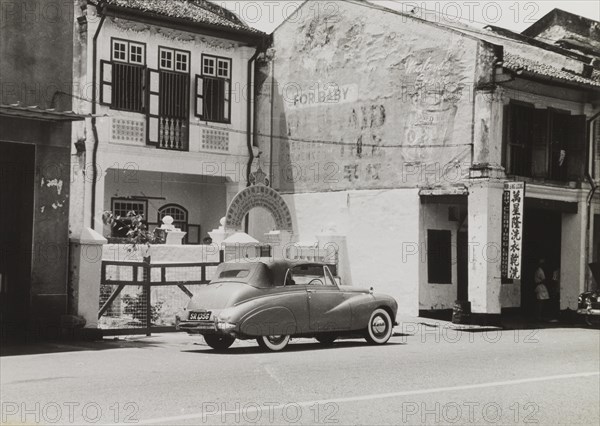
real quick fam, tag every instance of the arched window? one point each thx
(178, 213)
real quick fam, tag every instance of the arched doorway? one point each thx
(263, 197)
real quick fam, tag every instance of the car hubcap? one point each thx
(378, 326)
(275, 339)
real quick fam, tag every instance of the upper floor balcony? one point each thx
(158, 107)
(547, 145)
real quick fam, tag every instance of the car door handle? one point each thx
(310, 291)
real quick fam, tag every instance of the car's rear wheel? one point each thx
(273, 343)
(219, 342)
(326, 339)
(379, 329)
(592, 320)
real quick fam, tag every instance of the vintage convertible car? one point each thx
(272, 301)
(589, 302)
(589, 306)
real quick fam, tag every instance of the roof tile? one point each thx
(518, 63)
(199, 11)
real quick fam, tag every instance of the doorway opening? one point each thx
(541, 240)
(17, 162)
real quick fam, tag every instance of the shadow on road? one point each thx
(507, 321)
(292, 347)
(16, 348)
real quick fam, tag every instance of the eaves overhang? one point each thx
(592, 90)
(36, 113)
(250, 37)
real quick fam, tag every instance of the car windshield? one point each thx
(306, 275)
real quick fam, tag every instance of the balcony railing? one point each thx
(173, 134)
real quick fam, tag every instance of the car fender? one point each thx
(269, 321)
(363, 307)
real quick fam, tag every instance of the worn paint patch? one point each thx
(56, 183)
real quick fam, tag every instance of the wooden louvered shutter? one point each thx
(106, 82)
(153, 107)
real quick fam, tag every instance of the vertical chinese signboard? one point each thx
(513, 199)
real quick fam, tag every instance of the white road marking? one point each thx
(268, 406)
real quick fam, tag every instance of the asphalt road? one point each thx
(432, 376)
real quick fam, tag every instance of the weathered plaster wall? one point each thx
(589, 36)
(49, 252)
(368, 99)
(36, 50)
(379, 225)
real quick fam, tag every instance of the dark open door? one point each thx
(16, 224)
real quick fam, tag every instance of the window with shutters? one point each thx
(213, 89)
(123, 77)
(544, 143)
(168, 100)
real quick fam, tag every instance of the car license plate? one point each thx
(199, 316)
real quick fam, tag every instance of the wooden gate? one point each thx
(142, 297)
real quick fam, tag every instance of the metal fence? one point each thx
(142, 297)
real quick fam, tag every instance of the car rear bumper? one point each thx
(588, 311)
(197, 327)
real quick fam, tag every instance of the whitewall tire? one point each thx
(380, 327)
(273, 343)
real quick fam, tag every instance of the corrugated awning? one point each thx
(36, 113)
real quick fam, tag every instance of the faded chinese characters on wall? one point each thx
(368, 116)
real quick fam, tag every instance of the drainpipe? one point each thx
(589, 178)
(94, 128)
(588, 173)
(272, 118)
(250, 113)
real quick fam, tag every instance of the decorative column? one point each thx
(485, 248)
(86, 270)
(573, 263)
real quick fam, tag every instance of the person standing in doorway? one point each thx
(541, 291)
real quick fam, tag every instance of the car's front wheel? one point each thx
(273, 343)
(379, 329)
(219, 342)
